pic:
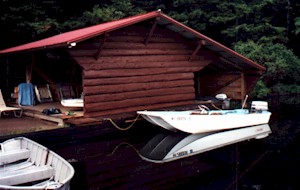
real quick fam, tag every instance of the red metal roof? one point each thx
(67, 38)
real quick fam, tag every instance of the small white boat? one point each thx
(25, 164)
(173, 146)
(74, 103)
(205, 120)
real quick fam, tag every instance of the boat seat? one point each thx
(29, 174)
(16, 166)
(11, 156)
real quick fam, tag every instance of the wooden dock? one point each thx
(75, 117)
(36, 111)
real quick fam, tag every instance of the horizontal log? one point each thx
(141, 38)
(93, 107)
(137, 72)
(134, 45)
(91, 90)
(126, 45)
(129, 52)
(136, 108)
(140, 79)
(92, 64)
(135, 30)
(146, 58)
(137, 94)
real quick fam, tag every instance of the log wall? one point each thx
(230, 84)
(122, 74)
(235, 86)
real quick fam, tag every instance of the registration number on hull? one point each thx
(181, 118)
(178, 154)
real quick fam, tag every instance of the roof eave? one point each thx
(8, 52)
(213, 42)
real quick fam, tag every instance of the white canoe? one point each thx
(25, 164)
(77, 103)
(173, 146)
(214, 120)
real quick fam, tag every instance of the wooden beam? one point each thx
(38, 71)
(230, 63)
(254, 72)
(152, 30)
(200, 43)
(103, 38)
(243, 89)
(29, 67)
(219, 65)
(227, 83)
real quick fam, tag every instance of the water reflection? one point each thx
(109, 159)
(170, 146)
(113, 160)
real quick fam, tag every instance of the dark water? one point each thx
(109, 159)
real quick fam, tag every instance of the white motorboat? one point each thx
(173, 146)
(205, 120)
(25, 164)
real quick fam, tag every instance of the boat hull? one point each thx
(193, 122)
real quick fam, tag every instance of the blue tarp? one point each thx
(26, 94)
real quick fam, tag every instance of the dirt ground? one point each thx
(12, 125)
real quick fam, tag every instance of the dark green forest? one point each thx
(266, 31)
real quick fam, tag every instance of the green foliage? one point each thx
(255, 22)
(284, 89)
(27, 20)
(42, 26)
(297, 25)
(259, 29)
(231, 21)
(260, 90)
(99, 15)
(282, 75)
(107, 12)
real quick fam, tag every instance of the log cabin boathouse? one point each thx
(143, 62)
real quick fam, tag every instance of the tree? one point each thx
(297, 25)
(26, 20)
(282, 75)
(262, 30)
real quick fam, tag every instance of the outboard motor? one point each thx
(225, 101)
(259, 106)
